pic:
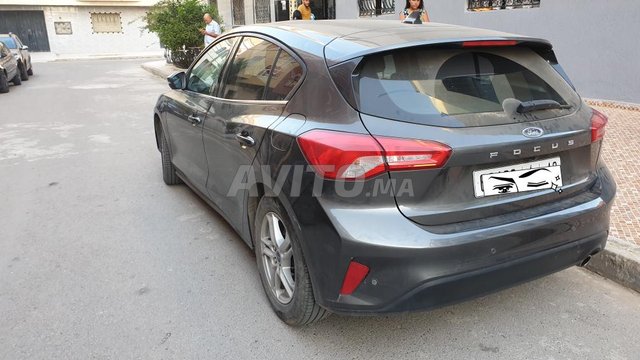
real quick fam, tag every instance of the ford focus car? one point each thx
(380, 167)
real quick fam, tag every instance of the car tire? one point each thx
(16, 79)
(168, 170)
(30, 71)
(4, 84)
(24, 76)
(282, 268)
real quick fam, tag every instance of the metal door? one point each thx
(29, 26)
(282, 10)
(323, 9)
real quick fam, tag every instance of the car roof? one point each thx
(342, 40)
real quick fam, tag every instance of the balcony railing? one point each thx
(483, 5)
(376, 7)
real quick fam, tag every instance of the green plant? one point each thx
(176, 22)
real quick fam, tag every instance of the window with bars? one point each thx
(484, 5)
(238, 12)
(106, 23)
(376, 7)
(262, 11)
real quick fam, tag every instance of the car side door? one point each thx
(257, 84)
(186, 110)
(8, 62)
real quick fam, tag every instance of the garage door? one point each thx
(28, 25)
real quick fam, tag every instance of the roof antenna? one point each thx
(413, 18)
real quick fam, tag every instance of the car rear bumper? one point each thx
(414, 269)
(453, 288)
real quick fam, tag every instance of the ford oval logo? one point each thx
(532, 132)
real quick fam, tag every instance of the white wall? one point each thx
(84, 41)
(596, 41)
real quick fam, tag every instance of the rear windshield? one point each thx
(11, 44)
(458, 87)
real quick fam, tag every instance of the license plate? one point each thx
(531, 176)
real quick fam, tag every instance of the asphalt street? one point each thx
(100, 260)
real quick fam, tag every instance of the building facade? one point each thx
(243, 12)
(595, 42)
(80, 26)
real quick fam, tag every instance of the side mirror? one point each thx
(178, 81)
(25, 47)
(413, 18)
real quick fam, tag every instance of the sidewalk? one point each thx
(40, 57)
(620, 261)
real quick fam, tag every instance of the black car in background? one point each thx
(382, 167)
(21, 52)
(8, 69)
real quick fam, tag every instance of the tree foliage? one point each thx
(177, 22)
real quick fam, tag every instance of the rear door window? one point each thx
(250, 69)
(458, 87)
(284, 77)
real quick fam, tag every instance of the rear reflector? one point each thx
(348, 156)
(354, 276)
(485, 43)
(598, 123)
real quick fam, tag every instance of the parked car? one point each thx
(382, 167)
(8, 69)
(21, 52)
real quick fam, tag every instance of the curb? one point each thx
(46, 58)
(613, 104)
(160, 68)
(618, 262)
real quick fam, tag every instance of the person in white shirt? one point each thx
(211, 31)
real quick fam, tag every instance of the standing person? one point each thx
(211, 31)
(305, 10)
(415, 5)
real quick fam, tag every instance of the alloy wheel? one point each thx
(277, 257)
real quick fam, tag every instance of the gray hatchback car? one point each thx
(382, 167)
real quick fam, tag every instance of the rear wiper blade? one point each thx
(535, 105)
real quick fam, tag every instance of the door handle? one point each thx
(245, 139)
(194, 120)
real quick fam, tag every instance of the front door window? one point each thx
(206, 72)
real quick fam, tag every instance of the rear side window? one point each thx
(455, 87)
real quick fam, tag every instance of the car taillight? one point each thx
(598, 123)
(413, 154)
(348, 156)
(338, 155)
(485, 43)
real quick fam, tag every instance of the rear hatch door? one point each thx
(520, 136)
